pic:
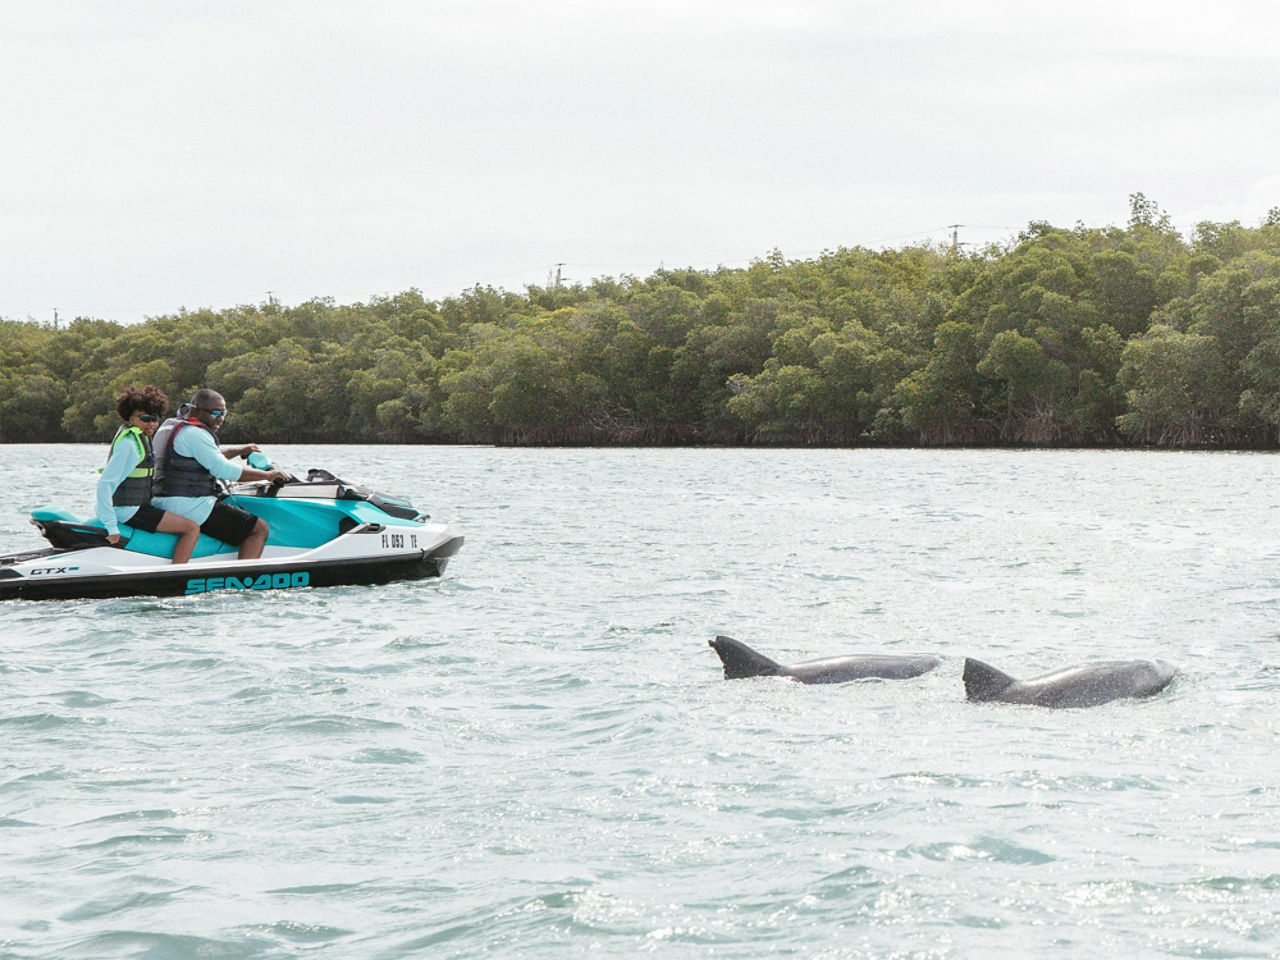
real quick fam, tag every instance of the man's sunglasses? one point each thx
(216, 414)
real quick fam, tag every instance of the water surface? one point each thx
(537, 757)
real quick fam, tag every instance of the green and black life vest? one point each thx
(135, 488)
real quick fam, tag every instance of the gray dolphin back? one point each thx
(1085, 685)
(741, 661)
(860, 666)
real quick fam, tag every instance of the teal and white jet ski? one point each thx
(323, 532)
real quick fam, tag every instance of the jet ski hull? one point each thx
(85, 574)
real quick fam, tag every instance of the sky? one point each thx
(157, 155)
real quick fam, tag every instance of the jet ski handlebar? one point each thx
(259, 461)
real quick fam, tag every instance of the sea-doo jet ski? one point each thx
(324, 532)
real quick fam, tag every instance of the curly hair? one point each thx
(147, 399)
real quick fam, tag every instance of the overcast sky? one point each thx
(160, 155)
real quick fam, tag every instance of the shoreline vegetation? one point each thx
(1085, 337)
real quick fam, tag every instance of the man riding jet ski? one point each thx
(189, 464)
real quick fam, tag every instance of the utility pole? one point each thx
(955, 235)
(559, 274)
(55, 318)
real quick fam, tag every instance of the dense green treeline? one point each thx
(1081, 336)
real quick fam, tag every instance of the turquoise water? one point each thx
(536, 756)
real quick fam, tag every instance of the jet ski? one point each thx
(324, 532)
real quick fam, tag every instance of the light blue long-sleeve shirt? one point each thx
(199, 444)
(120, 464)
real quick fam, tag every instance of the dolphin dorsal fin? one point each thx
(741, 661)
(983, 681)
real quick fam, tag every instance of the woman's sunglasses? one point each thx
(146, 417)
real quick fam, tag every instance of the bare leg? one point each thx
(251, 548)
(188, 532)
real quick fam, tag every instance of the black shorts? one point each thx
(146, 518)
(229, 524)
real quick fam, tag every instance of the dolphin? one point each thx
(1086, 685)
(741, 661)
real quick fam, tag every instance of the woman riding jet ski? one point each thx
(125, 485)
(322, 531)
